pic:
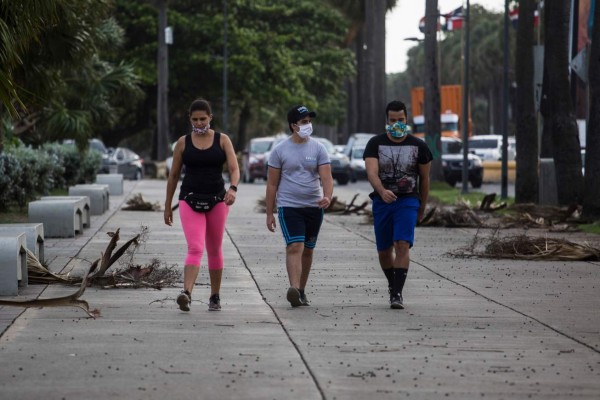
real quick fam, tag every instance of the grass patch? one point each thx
(13, 215)
(59, 192)
(446, 194)
(591, 228)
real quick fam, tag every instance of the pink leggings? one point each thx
(200, 228)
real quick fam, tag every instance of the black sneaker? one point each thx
(396, 302)
(183, 300)
(293, 296)
(214, 303)
(304, 299)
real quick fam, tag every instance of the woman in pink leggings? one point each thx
(203, 153)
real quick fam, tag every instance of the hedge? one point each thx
(26, 173)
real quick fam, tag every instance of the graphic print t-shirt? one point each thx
(398, 163)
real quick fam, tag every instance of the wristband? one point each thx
(233, 187)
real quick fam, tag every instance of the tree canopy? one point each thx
(54, 75)
(279, 53)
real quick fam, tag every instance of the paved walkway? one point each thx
(472, 329)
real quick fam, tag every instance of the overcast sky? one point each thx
(403, 22)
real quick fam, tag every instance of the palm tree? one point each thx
(432, 89)
(591, 198)
(560, 126)
(526, 187)
(66, 89)
(366, 36)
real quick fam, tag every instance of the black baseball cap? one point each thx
(296, 113)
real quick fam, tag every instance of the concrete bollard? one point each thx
(114, 182)
(82, 201)
(13, 264)
(98, 194)
(34, 234)
(548, 190)
(60, 218)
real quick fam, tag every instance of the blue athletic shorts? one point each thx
(300, 224)
(395, 221)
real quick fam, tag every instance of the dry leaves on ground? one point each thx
(529, 248)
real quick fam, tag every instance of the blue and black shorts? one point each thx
(300, 224)
(395, 221)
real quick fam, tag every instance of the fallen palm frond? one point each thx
(72, 300)
(558, 219)
(487, 203)
(530, 248)
(154, 275)
(460, 215)
(137, 203)
(335, 207)
(37, 273)
(340, 207)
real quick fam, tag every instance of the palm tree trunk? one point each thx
(371, 67)
(432, 90)
(526, 187)
(242, 124)
(591, 197)
(560, 121)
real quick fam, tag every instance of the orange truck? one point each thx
(451, 105)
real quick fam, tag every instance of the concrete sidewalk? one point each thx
(472, 328)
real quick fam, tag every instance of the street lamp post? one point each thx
(465, 105)
(504, 165)
(162, 118)
(225, 77)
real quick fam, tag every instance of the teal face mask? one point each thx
(397, 129)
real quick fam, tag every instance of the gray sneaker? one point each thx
(396, 302)
(214, 303)
(183, 300)
(293, 296)
(304, 300)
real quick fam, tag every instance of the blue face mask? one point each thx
(397, 129)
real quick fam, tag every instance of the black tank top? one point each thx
(203, 168)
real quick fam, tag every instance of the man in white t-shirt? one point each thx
(297, 168)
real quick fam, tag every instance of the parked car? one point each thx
(169, 162)
(357, 140)
(253, 158)
(452, 163)
(278, 139)
(340, 164)
(489, 147)
(357, 164)
(121, 160)
(94, 145)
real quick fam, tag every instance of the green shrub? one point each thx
(90, 163)
(27, 173)
(10, 167)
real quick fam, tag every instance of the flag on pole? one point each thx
(454, 19)
(422, 25)
(513, 15)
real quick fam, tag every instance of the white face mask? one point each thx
(305, 130)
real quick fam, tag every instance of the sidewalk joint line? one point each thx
(582, 343)
(287, 333)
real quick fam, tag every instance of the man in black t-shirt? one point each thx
(398, 167)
